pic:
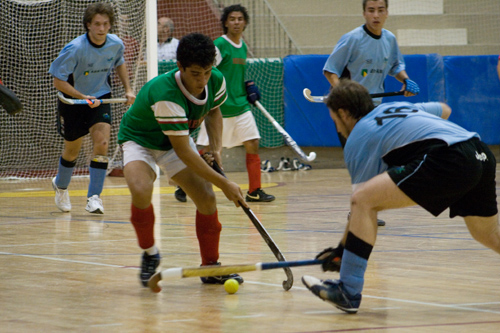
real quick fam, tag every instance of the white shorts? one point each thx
(167, 160)
(235, 131)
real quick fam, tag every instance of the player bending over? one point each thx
(155, 131)
(398, 155)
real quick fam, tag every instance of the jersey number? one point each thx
(401, 112)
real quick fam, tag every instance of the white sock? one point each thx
(152, 250)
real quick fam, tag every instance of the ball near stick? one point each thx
(231, 286)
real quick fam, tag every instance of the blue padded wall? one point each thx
(473, 92)
(425, 69)
(308, 123)
(469, 84)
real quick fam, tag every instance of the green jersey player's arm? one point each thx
(197, 164)
(213, 124)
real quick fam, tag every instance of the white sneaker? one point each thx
(62, 197)
(94, 205)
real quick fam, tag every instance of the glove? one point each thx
(332, 258)
(411, 86)
(253, 94)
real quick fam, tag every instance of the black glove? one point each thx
(332, 258)
(253, 94)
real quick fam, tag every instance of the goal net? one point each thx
(267, 43)
(35, 34)
(37, 31)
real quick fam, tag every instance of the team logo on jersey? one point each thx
(364, 72)
(481, 157)
(86, 73)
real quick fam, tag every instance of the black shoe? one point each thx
(259, 196)
(148, 267)
(333, 292)
(221, 278)
(180, 195)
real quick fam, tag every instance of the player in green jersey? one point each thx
(155, 131)
(240, 127)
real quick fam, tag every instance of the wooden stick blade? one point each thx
(153, 282)
(313, 99)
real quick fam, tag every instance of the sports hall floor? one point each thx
(77, 272)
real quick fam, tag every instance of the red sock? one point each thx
(253, 169)
(208, 230)
(143, 221)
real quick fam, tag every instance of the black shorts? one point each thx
(74, 121)
(460, 177)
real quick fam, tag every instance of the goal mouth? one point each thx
(30, 144)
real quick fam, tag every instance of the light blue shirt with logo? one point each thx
(369, 58)
(89, 64)
(394, 125)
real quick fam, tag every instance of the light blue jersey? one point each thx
(90, 65)
(394, 125)
(367, 57)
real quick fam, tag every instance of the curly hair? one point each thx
(234, 8)
(196, 49)
(98, 8)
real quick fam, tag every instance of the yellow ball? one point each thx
(231, 286)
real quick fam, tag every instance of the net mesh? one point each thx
(29, 143)
(38, 29)
(268, 76)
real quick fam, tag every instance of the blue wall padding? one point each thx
(427, 70)
(308, 123)
(469, 84)
(473, 93)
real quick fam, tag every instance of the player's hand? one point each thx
(253, 94)
(211, 157)
(93, 101)
(130, 98)
(233, 192)
(332, 259)
(411, 88)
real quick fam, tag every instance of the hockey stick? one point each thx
(71, 101)
(9, 100)
(180, 273)
(287, 284)
(288, 139)
(321, 99)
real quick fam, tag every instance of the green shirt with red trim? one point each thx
(164, 107)
(231, 60)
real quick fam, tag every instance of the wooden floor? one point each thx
(77, 272)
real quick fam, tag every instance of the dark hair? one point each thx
(350, 96)
(365, 1)
(98, 8)
(196, 49)
(234, 8)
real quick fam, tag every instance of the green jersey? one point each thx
(232, 62)
(164, 107)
